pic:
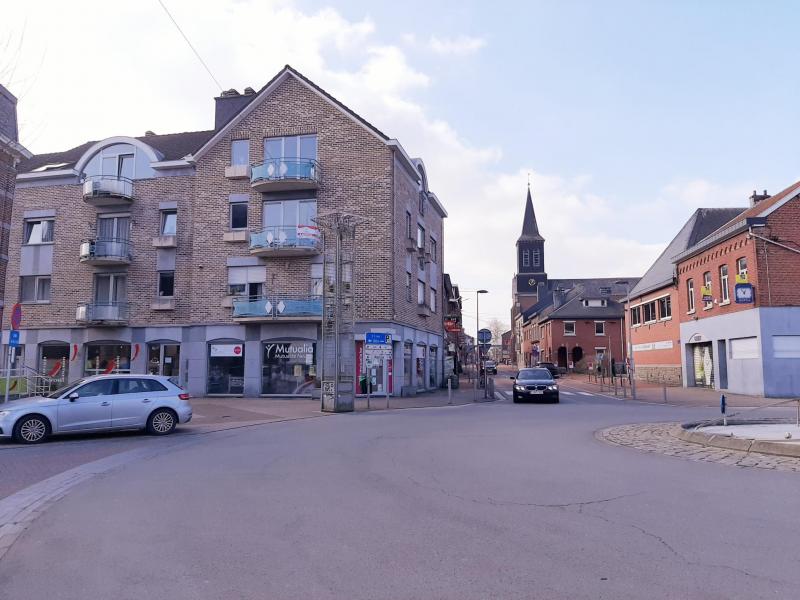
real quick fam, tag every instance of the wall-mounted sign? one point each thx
(741, 278)
(226, 350)
(743, 292)
(378, 338)
(451, 325)
(705, 293)
(663, 345)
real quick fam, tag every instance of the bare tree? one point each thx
(497, 327)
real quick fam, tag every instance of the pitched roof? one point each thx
(530, 229)
(702, 223)
(171, 145)
(600, 287)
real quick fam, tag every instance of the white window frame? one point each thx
(636, 315)
(574, 329)
(37, 280)
(739, 269)
(690, 295)
(603, 333)
(723, 285)
(420, 292)
(526, 258)
(668, 302)
(30, 225)
(708, 282)
(420, 236)
(432, 296)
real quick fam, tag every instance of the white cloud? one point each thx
(461, 45)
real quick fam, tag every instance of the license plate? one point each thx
(537, 391)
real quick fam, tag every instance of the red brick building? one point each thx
(739, 301)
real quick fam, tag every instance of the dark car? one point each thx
(491, 367)
(536, 385)
(550, 367)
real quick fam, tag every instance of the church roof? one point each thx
(530, 230)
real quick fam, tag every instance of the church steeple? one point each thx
(530, 229)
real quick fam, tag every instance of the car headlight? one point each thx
(4, 413)
(519, 388)
(552, 388)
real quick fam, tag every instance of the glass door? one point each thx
(163, 359)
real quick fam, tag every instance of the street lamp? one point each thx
(627, 285)
(477, 343)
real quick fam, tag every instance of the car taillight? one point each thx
(184, 396)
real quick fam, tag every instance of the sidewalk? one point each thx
(215, 413)
(678, 396)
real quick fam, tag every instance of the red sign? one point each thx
(16, 316)
(237, 350)
(451, 326)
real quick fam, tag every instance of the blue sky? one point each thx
(628, 114)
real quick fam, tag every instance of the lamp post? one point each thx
(477, 342)
(630, 341)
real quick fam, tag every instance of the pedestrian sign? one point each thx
(13, 338)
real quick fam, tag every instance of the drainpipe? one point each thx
(769, 241)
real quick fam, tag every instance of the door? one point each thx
(113, 236)
(110, 296)
(134, 400)
(91, 410)
(163, 359)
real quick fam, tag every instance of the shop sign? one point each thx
(226, 350)
(294, 351)
(705, 293)
(743, 292)
(741, 278)
(664, 345)
(451, 326)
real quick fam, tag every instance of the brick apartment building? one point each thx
(11, 153)
(570, 322)
(197, 255)
(739, 301)
(655, 326)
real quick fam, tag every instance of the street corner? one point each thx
(680, 441)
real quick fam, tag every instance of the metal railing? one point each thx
(107, 185)
(283, 169)
(285, 237)
(277, 306)
(25, 381)
(102, 312)
(111, 248)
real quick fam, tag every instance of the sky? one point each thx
(626, 116)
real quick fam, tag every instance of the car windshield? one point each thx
(534, 374)
(63, 390)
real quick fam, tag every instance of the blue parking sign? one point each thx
(13, 338)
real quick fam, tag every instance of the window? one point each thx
(725, 293)
(253, 290)
(665, 308)
(526, 258)
(316, 279)
(707, 289)
(420, 236)
(294, 146)
(408, 286)
(636, 316)
(433, 299)
(107, 358)
(422, 203)
(690, 294)
(34, 288)
(102, 387)
(569, 328)
(433, 250)
(39, 232)
(289, 214)
(132, 385)
(649, 312)
(169, 222)
(166, 283)
(409, 232)
(111, 288)
(741, 267)
(125, 164)
(420, 292)
(742, 348)
(537, 256)
(240, 152)
(599, 327)
(239, 215)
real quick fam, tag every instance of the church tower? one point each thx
(530, 260)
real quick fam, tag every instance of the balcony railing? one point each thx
(102, 313)
(277, 174)
(277, 306)
(285, 241)
(107, 190)
(112, 251)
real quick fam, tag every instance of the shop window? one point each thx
(163, 359)
(288, 368)
(226, 369)
(104, 359)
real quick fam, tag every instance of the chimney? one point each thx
(148, 133)
(756, 197)
(229, 104)
(558, 297)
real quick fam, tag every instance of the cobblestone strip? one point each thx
(661, 439)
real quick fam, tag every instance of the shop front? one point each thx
(289, 368)
(374, 370)
(164, 359)
(104, 358)
(703, 364)
(54, 358)
(225, 368)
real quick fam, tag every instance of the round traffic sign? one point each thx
(484, 336)
(16, 316)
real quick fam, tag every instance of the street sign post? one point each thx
(13, 338)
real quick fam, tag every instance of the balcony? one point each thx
(285, 307)
(108, 190)
(295, 240)
(282, 174)
(106, 252)
(102, 313)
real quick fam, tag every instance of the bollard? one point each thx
(664, 391)
(449, 390)
(615, 385)
(624, 390)
(798, 412)
(722, 410)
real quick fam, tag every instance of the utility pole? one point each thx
(629, 344)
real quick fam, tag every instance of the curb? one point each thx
(686, 433)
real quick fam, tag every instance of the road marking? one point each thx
(567, 393)
(585, 394)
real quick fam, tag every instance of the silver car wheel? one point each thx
(33, 430)
(163, 422)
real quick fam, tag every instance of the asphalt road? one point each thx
(485, 501)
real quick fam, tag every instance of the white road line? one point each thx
(585, 394)
(567, 393)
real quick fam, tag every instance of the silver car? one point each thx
(99, 403)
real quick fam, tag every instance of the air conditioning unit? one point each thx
(80, 313)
